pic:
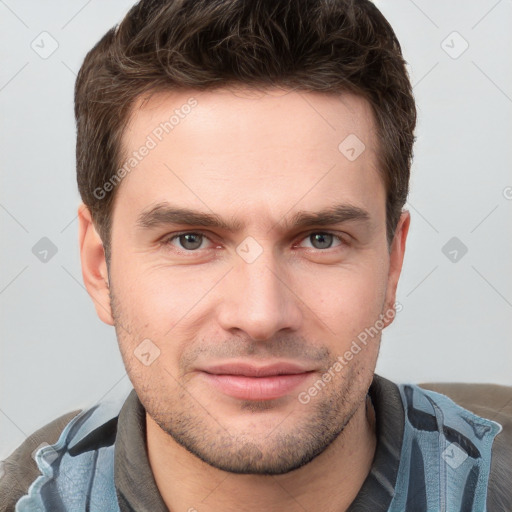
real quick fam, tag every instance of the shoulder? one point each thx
(493, 402)
(19, 470)
(72, 437)
(490, 401)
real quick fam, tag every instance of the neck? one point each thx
(330, 482)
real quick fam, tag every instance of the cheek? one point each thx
(347, 299)
(158, 299)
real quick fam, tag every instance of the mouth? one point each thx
(248, 382)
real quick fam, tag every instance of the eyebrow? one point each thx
(164, 213)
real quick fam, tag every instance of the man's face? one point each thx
(257, 288)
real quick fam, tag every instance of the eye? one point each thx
(324, 240)
(188, 242)
(191, 241)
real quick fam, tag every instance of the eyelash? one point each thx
(166, 242)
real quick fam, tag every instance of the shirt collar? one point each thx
(135, 485)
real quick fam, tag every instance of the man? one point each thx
(243, 168)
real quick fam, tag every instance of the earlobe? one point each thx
(396, 259)
(94, 265)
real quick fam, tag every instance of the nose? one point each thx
(258, 299)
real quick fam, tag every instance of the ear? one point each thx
(396, 259)
(94, 265)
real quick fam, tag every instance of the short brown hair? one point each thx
(329, 46)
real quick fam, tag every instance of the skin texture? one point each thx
(256, 158)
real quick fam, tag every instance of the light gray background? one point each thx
(56, 355)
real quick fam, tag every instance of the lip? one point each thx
(249, 382)
(251, 370)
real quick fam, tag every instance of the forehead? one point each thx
(251, 116)
(248, 150)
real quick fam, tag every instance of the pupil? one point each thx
(321, 238)
(187, 241)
